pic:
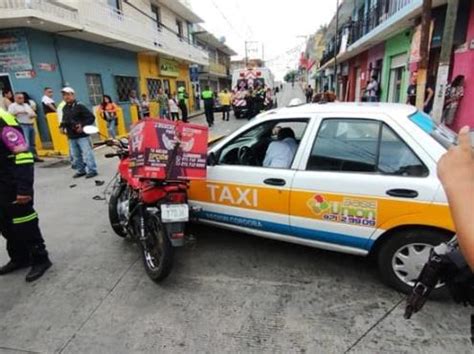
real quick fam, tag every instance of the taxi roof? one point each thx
(347, 107)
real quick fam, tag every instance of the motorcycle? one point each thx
(153, 213)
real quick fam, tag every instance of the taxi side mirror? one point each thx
(211, 159)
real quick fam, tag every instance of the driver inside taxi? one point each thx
(280, 153)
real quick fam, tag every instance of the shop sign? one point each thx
(47, 67)
(169, 67)
(14, 51)
(25, 74)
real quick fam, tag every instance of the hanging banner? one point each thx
(14, 51)
(168, 67)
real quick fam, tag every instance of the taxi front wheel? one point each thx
(403, 255)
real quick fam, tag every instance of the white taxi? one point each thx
(347, 177)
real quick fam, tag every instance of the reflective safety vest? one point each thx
(182, 95)
(207, 95)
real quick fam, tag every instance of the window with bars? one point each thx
(125, 84)
(94, 88)
(153, 85)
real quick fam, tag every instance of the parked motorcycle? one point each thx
(153, 213)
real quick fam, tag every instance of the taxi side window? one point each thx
(362, 145)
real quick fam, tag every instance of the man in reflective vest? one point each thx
(18, 219)
(208, 98)
(182, 97)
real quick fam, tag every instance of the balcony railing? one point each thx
(106, 21)
(374, 17)
(53, 10)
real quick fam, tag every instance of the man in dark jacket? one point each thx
(75, 117)
(18, 218)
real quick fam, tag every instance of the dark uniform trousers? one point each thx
(19, 226)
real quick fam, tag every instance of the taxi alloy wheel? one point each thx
(404, 253)
(408, 261)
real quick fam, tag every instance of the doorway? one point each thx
(396, 77)
(5, 82)
(357, 85)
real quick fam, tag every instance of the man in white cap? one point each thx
(75, 116)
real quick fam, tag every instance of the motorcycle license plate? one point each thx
(174, 213)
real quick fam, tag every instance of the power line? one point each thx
(226, 19)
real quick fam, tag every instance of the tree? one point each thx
(290, 76)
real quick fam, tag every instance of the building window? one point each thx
(179, 25)
(94, 88)
(115, 4)
(189, 27)
(153, 85)
(124, 85)
(156, 11)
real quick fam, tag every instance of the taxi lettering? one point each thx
(240, 196)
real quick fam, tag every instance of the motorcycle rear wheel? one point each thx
(157, 251)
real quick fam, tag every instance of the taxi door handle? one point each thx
(275, 181)
(402, 193)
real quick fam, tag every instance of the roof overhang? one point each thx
(210, 39)
(182, 10)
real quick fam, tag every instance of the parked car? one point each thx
(362, 181)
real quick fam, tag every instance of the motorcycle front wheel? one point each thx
(117, 199)
(157, 251)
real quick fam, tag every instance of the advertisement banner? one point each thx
(168, 67)
(14, 51)
(153, 154)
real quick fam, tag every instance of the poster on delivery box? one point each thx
(153, 154)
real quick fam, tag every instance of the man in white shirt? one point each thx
(372, 90)
(26, 117)
(280, 153)
(49, 106)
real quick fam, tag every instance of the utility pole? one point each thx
(246, 56)
(445, 58)
(424, 54)
(336, 86)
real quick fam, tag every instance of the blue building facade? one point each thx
(53, 60)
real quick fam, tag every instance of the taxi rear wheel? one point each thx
(403, 255)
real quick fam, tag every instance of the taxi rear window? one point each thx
(441, 133)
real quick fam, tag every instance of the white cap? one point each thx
(68, 90)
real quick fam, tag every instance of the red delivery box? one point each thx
(153, 154)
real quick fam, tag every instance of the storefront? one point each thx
(463, 60)
(157, 71)
(395, 75)
(31, 60)
(357, 78)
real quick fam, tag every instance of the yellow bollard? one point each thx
(101, 124)
(60, 143)
(134, 114)
(154, 109)
(121, 128)
(38, 142)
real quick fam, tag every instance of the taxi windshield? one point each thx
(440, 132)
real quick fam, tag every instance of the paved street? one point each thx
(228, 293)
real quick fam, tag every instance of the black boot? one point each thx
(12, 266)
(38, 270)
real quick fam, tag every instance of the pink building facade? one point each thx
(463, 64)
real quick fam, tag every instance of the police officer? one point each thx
(208, 98)
(18, 219)
(259, 98)
(182, 97)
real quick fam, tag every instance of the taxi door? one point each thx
(358, 176)
(241, 194)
